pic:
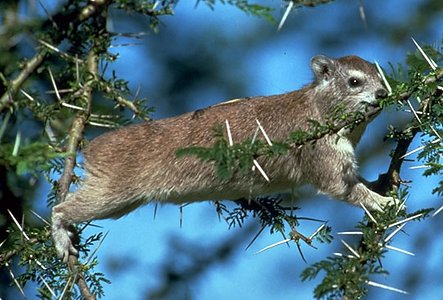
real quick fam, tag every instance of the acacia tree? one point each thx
(67, 53)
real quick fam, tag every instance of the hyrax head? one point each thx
(349, 81)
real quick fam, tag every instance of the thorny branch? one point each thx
(75, 137)
(370, 112)
(8, 97)
(14, 85)
(275, 214)
(60, 21)
(390, 180)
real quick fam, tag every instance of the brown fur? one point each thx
(132, 166)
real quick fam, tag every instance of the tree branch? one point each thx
(391, 179)
(75, 137)
(8, 97)
(62, 22)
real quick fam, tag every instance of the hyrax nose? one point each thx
(381, 94)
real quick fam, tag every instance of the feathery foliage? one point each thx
(52, 93)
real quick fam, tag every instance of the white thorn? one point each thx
(419, 167)
(351, 249)
(391, 235)
(28, 96)
(20, 288)
(48, 287)
(399, 250)
(18, 225)
(285, 15)
(386, 287)
(405, 220)
(383, 78)
(317, 231)
(361, 9)
(55, 49)
(419, 148)
(413, 111)
(268, 140)
(255, 135)
(40, 264)
(350, 233)
(40, 217)
(437, 211)
(273, 245)
(97, 124)
(228, 130)
(18, 140)
(73, 106)
(57, 94)
(429, 60)
(368, 213)
(260, 169)
(435, 132)
(77, 71)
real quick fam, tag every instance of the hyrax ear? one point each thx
(323, 67)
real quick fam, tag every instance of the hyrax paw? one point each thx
(62, 237)
(65, 248)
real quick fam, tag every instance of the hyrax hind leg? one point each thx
(63, 216)
(80, 206)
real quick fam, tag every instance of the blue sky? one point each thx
(276, 66)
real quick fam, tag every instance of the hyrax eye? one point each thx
(354, 82)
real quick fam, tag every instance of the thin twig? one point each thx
(127, 103)
(9, 96)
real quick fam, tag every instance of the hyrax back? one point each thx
(132, 166)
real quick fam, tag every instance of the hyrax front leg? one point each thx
(334, 172)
